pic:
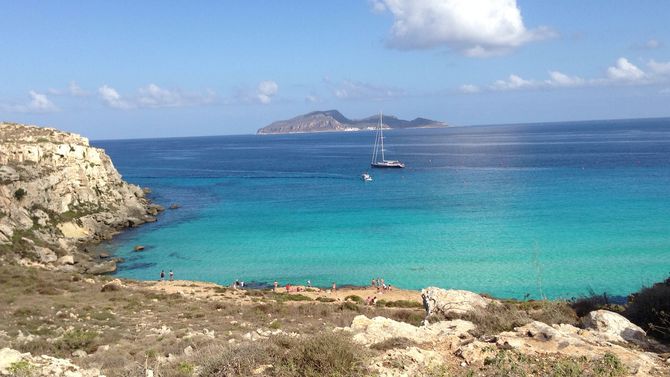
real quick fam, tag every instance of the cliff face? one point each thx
(58, 193)
(334, 121)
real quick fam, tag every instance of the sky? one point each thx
(136, 69)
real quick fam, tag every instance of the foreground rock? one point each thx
(451, 302)
(617, 327)
(376, 330)
(15, 363)
(57, 193)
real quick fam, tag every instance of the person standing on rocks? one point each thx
(162, 275)
(274, 288)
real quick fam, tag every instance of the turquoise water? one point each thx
(547, 209)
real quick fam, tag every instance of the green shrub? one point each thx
(325, 299)
(403, 304)
(354, 298)
(650, 309)
(20, 368)
(391, 343)
(77, 339)
(20, 194)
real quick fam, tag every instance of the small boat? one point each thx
(366, 177)
(378, 150)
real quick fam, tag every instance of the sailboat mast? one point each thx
(381, 134)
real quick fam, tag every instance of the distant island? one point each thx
(334, 121)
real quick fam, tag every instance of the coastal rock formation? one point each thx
(15, 363)
(58, 193)
(449, 302)
(334, 121)
(616, 326)
(370, 331)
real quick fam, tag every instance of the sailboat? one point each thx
(378, 150)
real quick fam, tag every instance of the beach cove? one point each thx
(553, 210)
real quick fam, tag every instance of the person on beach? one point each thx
(309, 284)
(288, 288)
(373, 284)
(334, 287)
(274, 288)
(162, 275)
(171, 275)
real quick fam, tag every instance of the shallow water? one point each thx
(549, 210)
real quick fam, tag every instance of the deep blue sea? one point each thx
(555, 210)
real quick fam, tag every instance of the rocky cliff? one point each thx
(334, 121)
(58, 194)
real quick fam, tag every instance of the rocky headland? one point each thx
(58, 195)
(334, 121)
(62, 318)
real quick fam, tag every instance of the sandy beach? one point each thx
(199, 289)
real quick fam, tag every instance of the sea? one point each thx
(554, 210)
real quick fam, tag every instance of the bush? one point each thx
(496, 318)
(326, 354)
(391, 343)
(408, 316)
(20, 194)
(325, 299)
(650, 309)
(77, 340)
(403, 304)
(354, 298)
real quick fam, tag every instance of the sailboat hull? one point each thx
(388, 164)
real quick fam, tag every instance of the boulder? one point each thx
(175, 206)
(45, 255)
(66, 259)
(102, 268)
(450, 302)
(614, 325)
(8, 357)
(138, 248)
(370, 331)
(113, 285)
(8, 174)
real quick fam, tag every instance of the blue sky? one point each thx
(129, 69)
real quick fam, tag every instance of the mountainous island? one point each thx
(334, 121)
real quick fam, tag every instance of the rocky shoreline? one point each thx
(59, 195)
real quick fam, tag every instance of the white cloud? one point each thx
(266, 90)
(561, 79)
(624, 71)
(349, 89)
(39, 103)
(153, 96)
(112, 98)
(513, 82)
(75, 90)
(377, 6)
(477, 28)
(312, 98)
(652, 44)
(469, 89)
(659, 68)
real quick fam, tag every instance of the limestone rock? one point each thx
(412, 361)
(102, 268)
(370, 331)
(46, 366)
(72, 190)
(113, 285)
(66, 259)
(45, 255)
(614, 325)
(450, 302)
